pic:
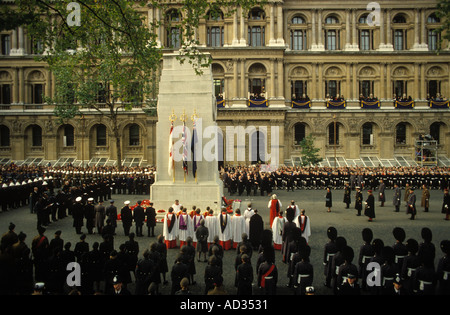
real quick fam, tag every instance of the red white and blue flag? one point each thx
(171, 160)
(185, 152)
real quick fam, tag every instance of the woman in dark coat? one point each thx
(370, 206)
(328, 199)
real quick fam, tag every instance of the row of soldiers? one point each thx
(252, 180)
(18, 191)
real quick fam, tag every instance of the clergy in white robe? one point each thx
(303, 222)
(247, 215)
(237, 227)
(177, 207)
(277, 230)
(185, 227)
(224, 231)
(212, 224)
(170, 229)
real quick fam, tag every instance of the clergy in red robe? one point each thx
(274, 208)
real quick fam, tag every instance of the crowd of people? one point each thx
(405, 268)
(250, 180)
(201, 233)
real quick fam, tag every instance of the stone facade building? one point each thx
(277, 65)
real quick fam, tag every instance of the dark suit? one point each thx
(139, 218)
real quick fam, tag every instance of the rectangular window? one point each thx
(5, 94)
(218, 86)
(366, 88)
(215, 36)
(298, 39)
(4, 136)
(6, 44)
(365, 40)
(256, 35)
(332, 88)
(433, 39)
(69, 137)
(37, 91)
(399, 87)
(174, 38)
(332, 40)
(299, 88)
(399, 40)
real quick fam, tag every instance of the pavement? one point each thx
(344, 220)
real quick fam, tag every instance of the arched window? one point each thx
(134, 135)
(298, 33)
(173, 29)
(400, 133)
(36, 136)
(333, 137)
(332, 33)
(399, 32)
(69, 136)
(100, 135)
(435, 131)
(256, 28)
(4, 136)
(367, 134)
(215, 29)
(299, 133)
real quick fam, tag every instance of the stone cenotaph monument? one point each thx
(186, 98)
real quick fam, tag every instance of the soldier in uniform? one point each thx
(78, 215)
(411, 204)
(89, 214)
(145, 268)
(443, 269)
(126, 217)
(139, 218)
(396, 199)
(347, 196)
(425, 202)
(400, 249)
(358, 200)
(366, 252)
(410, 264)
(330, 250)
(111, 214)
(446, 205)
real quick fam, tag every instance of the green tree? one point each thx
(309, 152)
(108, 62)
(443, 12)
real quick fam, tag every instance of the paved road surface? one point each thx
(345, 220)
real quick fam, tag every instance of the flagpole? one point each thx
(194, 119)
(183, 119)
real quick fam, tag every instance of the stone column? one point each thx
(423, 82)
(243, 41)
(354, 32)
(235, 41)
(348, 45)
(416, 81)
(321, 92)
(320, 45)
(382, 93)
(280, 39)
(272, 39)
(313, 30)
(244, 83)
(314, 81)
(385, 46)
(280, 78)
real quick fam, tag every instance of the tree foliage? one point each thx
(309, 152)
(108, 62)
